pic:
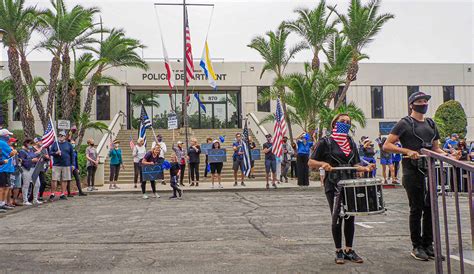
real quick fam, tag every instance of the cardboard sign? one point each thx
(172, 120)
(205, 147)
(217, 155)
(64, 124)
(255, 154)
(151, 172)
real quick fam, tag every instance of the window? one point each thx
(103, 103)
(412, 89)
(377, 101)
(16, 111)
(264, 107)
(338, 95)
(448, 93)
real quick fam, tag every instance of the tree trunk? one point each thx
(25, 68)
(67, 100)
(21, 99)
(88, 104)
(351, 76)
(53, 84)
(315, 63)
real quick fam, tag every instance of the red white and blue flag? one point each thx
(279, 130)
(169, 72)
(189, 53)
(339, 134)
(48, 136)
(132, 144)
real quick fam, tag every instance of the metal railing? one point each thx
(104, 144)
(258, 130)
(436, 174)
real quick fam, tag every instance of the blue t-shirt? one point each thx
(304, 148)
(451, 143)
(239, 146)
(5, 151)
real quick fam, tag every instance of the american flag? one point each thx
(246, 151)
(339, 134)
(48, 136)
(169, 72)
(279, 129)
(189, 54)
(144, 124)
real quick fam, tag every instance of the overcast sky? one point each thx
(423, 31)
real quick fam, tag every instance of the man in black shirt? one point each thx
(414, 133)
(270, 161)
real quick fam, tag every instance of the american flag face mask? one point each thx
(339, 134)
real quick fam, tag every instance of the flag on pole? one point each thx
(49, 136)
(189, 53)
(246, 150)
(279, 130)
(144, 124)
(206, 65)
(169, 72)
(203, 107)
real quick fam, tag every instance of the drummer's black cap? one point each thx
(418, 95)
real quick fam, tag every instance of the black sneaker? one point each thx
(70, 196)
(274, 185)
(242, 184)
(430, 252)
(163, 183)
(353, 257)
(339, 257)
(173, 197)
(82, 194)
(51, 198)
(62, 197)
(419, 254)
(40, 199)
(235, 184)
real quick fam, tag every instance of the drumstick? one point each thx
(421, 156)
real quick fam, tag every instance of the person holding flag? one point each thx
(238, 158)
(145, 123)
(63, 155)
(270, 161)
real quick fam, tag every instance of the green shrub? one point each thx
(82, 160)
(451, 118)
(19, 135)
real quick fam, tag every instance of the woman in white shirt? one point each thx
(138, 153)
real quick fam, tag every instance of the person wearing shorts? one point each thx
(62, 152)
(270, 161)
(216, 167)
(385, 160)
(238, 159)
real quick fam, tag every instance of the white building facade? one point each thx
(381, 90)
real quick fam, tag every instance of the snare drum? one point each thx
(362, 196)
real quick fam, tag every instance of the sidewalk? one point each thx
(205, 186)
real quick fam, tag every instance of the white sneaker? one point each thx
(27, 204)
(212, 186)
(89, 188)
(156, 195)
(36, 202)
(145, 196)
(220, 186)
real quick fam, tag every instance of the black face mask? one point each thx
(420, 108)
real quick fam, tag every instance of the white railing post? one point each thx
(258, 131)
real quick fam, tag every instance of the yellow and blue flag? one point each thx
(206, 65)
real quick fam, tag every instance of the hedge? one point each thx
(451, 118)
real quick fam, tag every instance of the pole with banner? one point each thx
(55, 135)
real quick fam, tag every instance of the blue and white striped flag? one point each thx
(246, 151)
(145, 123)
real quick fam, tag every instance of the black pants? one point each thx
(91, 175)
(43, 183)
(77, 178)
(182, 168)
(137, 168)
(175, 187)
(205, 167)
(420, 210)
(153, 186)
(194, 168)
(303, 169)
(114, 172)
(336, 226)
(293, 169)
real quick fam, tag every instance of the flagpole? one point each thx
(185, 90)
(54, 132)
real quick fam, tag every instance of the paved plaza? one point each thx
(275, 231)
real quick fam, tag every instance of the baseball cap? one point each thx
(418, 95)
(454, 135)
(12, 140)
(62, 133)
(179, 143)
(268, 135)
(4, 132)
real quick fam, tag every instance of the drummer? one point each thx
(339, 150)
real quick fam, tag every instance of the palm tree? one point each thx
(360, 26)
(14, 20)
(6, 93)
(357, 115)
(145, 99)
(273, 49)
(116, 50)
(315, 28)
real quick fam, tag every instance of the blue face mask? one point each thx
(343, 127)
